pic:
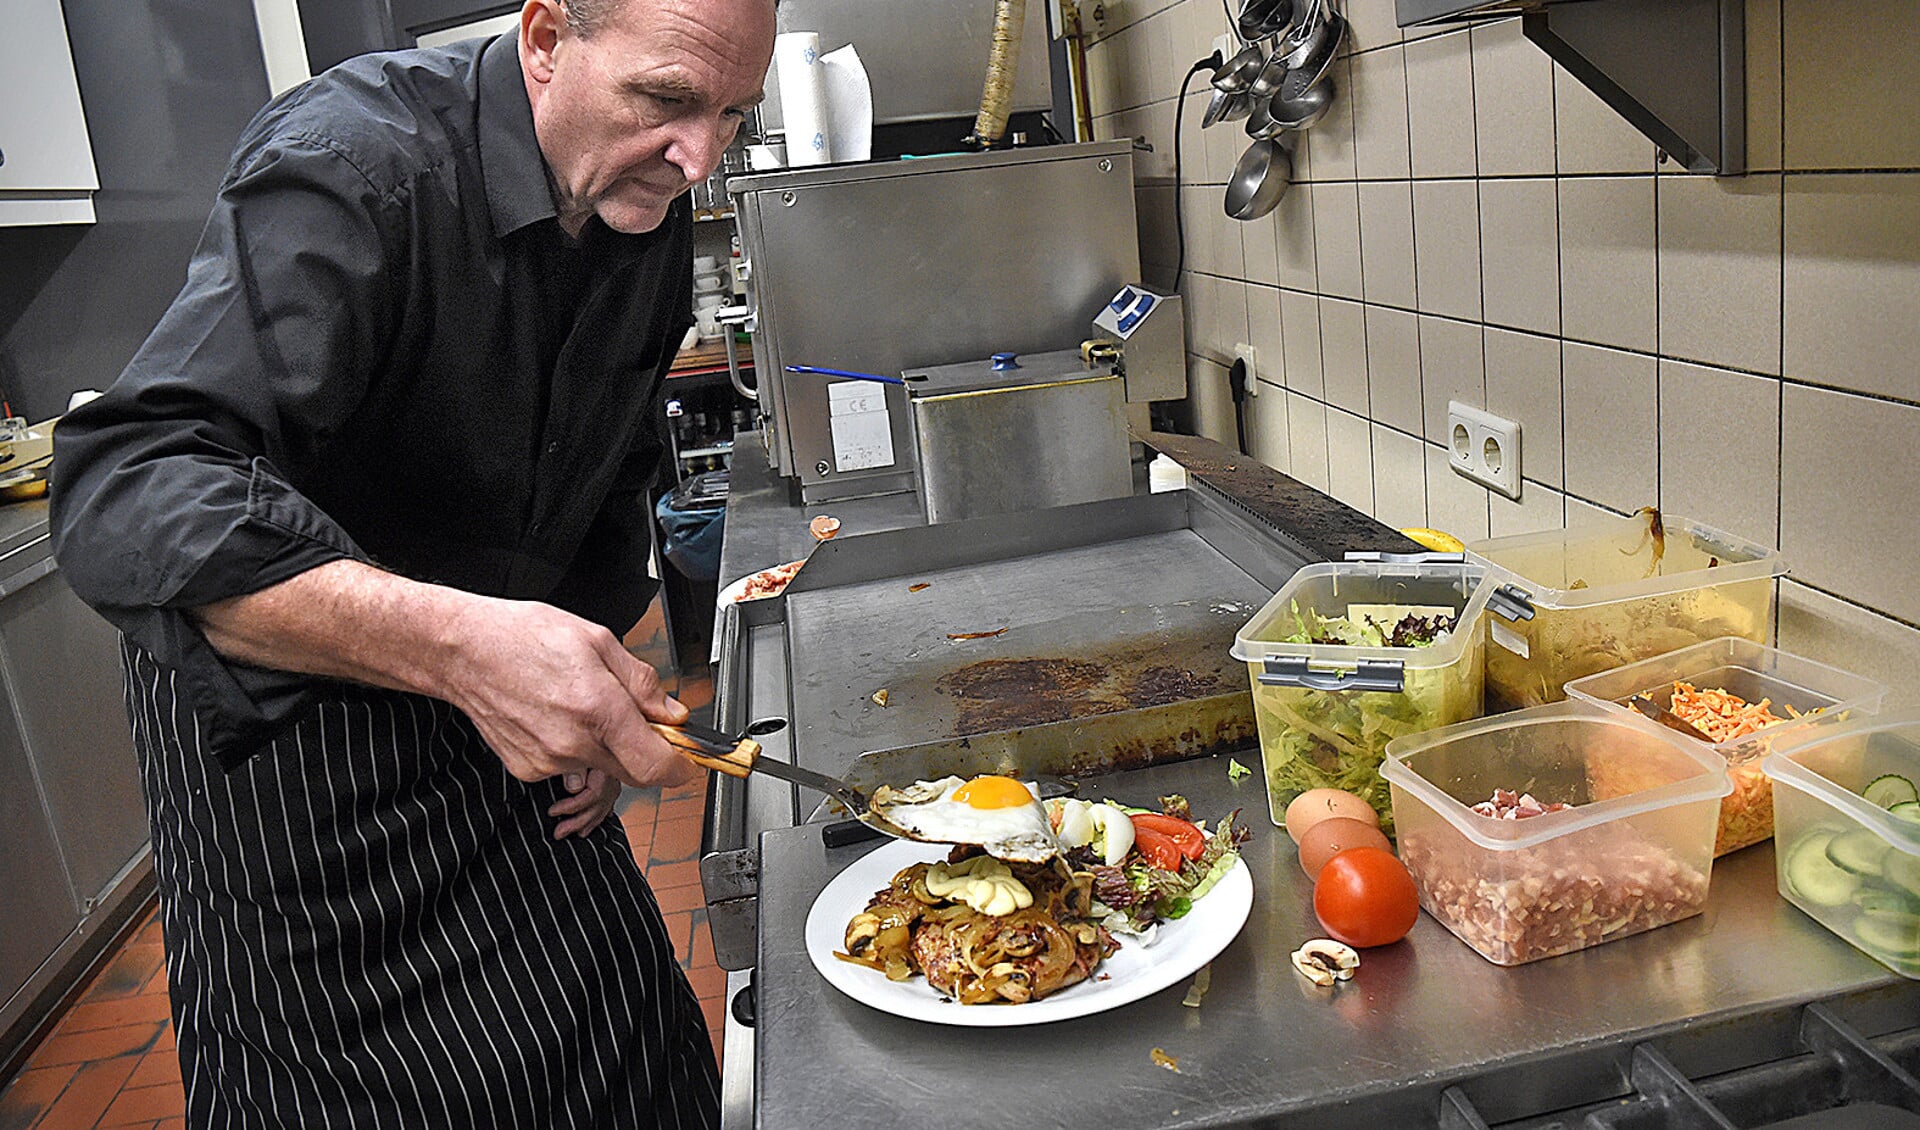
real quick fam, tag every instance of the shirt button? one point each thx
(553, 447)
(536, 527)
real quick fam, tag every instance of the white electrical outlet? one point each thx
(1484, 447)
(1250, 355)
(1223, 43)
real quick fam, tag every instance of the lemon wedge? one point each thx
(1438, 541)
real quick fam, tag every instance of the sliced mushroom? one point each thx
(1324, 961)
(1336, 957)
(861, 932)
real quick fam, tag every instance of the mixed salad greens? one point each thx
(1313, 739)
(1148, 866)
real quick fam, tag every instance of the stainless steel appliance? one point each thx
(1147, 335)
(1018, 433)
(881, 268)
(926, 59)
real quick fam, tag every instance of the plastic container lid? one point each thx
(1418, 579)
(1607, 562)
(1711, 782)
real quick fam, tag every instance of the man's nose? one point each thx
(696, 150)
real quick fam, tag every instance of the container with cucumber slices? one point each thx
(1847, 832)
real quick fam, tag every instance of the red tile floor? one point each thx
(109, 1060)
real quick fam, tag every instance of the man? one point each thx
(368, 507)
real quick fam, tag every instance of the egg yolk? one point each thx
(993, 792)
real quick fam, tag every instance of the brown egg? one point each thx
(1315, 805)
(1332, 836)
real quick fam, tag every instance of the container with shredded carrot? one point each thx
(1746, 814)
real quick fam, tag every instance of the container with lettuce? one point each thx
(1348, 656)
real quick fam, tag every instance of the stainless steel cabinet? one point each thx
(36, 904)
(47, 174)
(62, 676)
(74, 860)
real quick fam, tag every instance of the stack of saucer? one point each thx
(710, 292)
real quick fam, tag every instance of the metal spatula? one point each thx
(737, 757)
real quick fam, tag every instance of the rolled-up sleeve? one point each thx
(177, 488)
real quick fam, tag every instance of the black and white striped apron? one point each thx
(369, 924)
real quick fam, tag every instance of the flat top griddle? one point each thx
(1101, 629)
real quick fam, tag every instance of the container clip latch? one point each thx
(1370, 675)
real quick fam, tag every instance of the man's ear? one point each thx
(543, 23)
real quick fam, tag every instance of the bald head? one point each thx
(634, 101)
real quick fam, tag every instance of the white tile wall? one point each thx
(1343, 353)
(1350, 459)
(1399, 478)
(1743, 350)
(1611, 440)
(1440, 106)
(1849, 516)
(1336, 238)
(1452, 367)
(1852, 287)
(1520, 253)
(1307, 440)
(1720, 448)
(1512, 102)
(1446, 247)
(1607, 261)
(1393, 369)
(1386, 251)
(1377, 88)
(1720, 270)
(1300, 343)
(1523, 384)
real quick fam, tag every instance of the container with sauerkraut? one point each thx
(1348, 656)
(1613, 593)
(1746, 697)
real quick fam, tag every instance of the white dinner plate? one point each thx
(1133, 972)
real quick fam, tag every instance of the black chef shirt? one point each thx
(387, 350)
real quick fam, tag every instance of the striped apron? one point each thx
(369, 924)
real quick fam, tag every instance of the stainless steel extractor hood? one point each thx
(1675, 69)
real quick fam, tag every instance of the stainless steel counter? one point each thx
(1267, 1048)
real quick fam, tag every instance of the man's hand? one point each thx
(594, 795)
(554, 694)
(550, 692)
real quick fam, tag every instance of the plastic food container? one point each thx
(1600, 598)
(1634, 852)
(1327, 710)
(1851, 864)
(1791, 685)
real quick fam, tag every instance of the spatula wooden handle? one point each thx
(735, 759)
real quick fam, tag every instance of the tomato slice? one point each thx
(1159, 848)
(1191, 841)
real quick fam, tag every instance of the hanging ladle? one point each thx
(1236, 74)
(1260, 178)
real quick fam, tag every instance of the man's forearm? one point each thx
(348, 620)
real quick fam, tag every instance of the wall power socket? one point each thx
(1484, 447)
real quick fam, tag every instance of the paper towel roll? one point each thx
(849, 104)
(803, 97)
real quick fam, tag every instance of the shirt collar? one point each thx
(510, 160)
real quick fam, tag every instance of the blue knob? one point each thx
(1004, 361)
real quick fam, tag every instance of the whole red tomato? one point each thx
(1365, 897)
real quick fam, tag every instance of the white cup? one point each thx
(708, 301)
(708, 284)
(705, 264)
(708, 322)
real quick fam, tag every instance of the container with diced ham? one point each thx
(1593, 825)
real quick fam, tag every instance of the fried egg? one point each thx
(999, 814)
